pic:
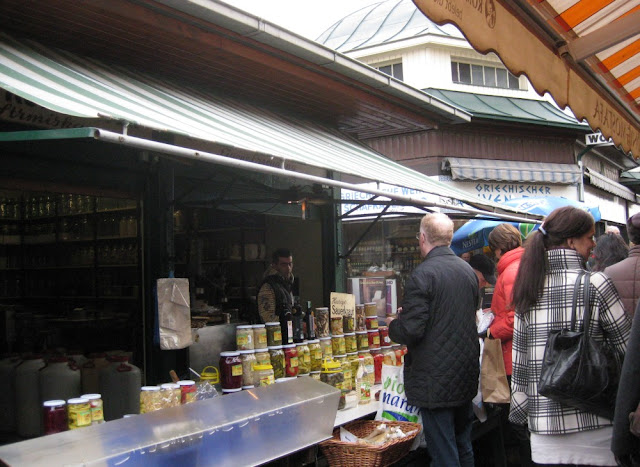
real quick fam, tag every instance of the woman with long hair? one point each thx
(554, 257)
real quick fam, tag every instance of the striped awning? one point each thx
(611, 186)
(511, 171)
(87, 88)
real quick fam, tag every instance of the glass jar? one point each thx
(370, 309)
(397, 349)
(304, 358)
(361, 324)
(230, 366)
(372, 322)
(348, 324)
(78, 413)
(338, 345)
(97, 412)
(244, 337)
(315, 375)
(353, 360)
(188, 387)
(262, 357)
(384, 336)
(378, 359)
(350, 342)
(369, 365)
(373, 337)
(171, 395)
(389, 355)
(315, 353)
(54, 416)
(248, 358)
(150, 399)
(336, 326)
(327, 347)
(322, 322)
(274, 334)
(365, 383)
(362, 340)
(291, 365)
(259, 336)
(276, 355)
(332, 374)
(263, 375)
(345, 366)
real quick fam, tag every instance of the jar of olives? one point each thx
(304, 358)
(276, 355)
(315, 353)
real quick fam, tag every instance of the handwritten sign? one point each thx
(342, 304)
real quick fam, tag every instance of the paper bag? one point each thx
(174, 314)
(493, 378)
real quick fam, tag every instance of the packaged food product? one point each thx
(389, 355)
(54, 416)
(274, 334)
(332, 374)
(263, 375)
(327, 347)
(290, 360)
(244, 337)
(345, 366)
(315, 375)
(369, 366)
(249, 361)
(230, 366)
(361, 324)
(378, 359)
(350, 342)
(322, 322)
(338, 345)
(363, 382)
(373, 336)
(262, 357)
(362, 339)
(370, 309)
(188, 388)
(150, 399)
(336, 325)
(384, 335)
(304, 358)
(171, 394)
(276, 355)
(315, 353)
(97, 412)
(353, 359)
(259, 336)
(348, 324)
(78, 413)
(372, 322)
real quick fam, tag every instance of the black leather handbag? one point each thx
(577, 370)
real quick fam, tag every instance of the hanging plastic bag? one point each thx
(174, 313)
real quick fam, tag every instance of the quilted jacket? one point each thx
(626, 277)
(502, 303)
(437, 324)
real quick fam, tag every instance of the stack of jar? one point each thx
(78, 412)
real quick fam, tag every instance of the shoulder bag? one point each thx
(577, 370)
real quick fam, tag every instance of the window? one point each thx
(481, 75)
(394, 69)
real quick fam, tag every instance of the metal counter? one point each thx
(245, 428)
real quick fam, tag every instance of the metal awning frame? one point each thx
(194, 154)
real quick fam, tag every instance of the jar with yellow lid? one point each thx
(332, 374)
(263, 375)
(315, 353)
(304, 358)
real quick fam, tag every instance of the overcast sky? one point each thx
(304, 17)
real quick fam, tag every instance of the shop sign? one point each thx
(342, 304)
(597, 139)
(499, 192)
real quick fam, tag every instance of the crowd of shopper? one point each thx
(532, 296)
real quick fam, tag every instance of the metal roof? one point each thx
(512, 109)
(381, 23)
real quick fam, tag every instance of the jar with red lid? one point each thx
(378, 359)
(373, 337)
(54, 415)
(372, 322)
(290, 360)
(230, 370)
(384, 336)
(188, 390)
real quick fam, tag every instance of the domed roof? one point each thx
(380, 23)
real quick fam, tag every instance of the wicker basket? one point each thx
(340, 453)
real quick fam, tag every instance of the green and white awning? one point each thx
(84, 87)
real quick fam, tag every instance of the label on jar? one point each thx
(190, 397)
(277, 335)
(97, 414)
(293, 362)
(242, 340)
(317, 354)
(266, 380)
(307, 357)
(370, 369)
(262, 339)
(236, 370)
(79, 416)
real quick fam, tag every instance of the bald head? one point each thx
(436, 230)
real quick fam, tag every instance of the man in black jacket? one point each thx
(437, 324)
(275, 296)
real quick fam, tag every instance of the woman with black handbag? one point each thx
(544, 295)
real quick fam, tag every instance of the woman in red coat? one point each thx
(506, 243)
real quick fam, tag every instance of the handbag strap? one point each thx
(586, 319)
(574, 300)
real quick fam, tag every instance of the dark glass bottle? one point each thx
(309, 323)
(298, 323)
(286, 324)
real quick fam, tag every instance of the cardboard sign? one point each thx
(342, 304)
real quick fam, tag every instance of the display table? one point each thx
(361, 411)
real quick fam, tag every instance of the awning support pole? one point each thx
(581, 166)
(140, 143)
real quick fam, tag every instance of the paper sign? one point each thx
(342, 304)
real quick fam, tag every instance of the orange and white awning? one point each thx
(585, 53)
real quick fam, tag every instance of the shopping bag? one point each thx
(174, 313)
(493, 378)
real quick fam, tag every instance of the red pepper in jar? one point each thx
(378, 358)
(290, 360)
